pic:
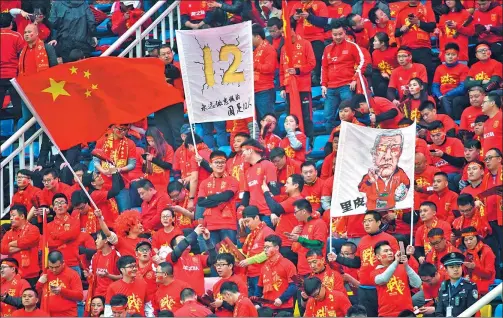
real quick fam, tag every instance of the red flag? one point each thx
(295, 105)
(78, 101)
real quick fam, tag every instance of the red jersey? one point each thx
(35, 313)
(27, 238)
(474, 191)
(304, 28)
(434, 257)
(468, 117)
(303, 59)
(275, 277)
(189, 268)
(256, 175)
(389, 29)
(450, 77)
(478, 221)
(167, 297)
(484, 70)
(339, 10)
(380, 194)
(287, 220)
(327, 168)
(65, 303)
(415, 37)
(331, 279)
(136, 293)
(236, 168)
(313, 230)
(12, 44)
(147, 273)
(446, 202)
(460, 35)
(192, 308)
(291, 167)
(253, 245)
(119, 152)
(451, 146)
(394, 296)
(424, 181)
(162, 239)
(223, 216)
(244, 308)
(335, 304)
(242, 287)
(265, 61)
(338, 64)
(382, 105)
(484, 272)
(27, 196)
(127, 246)
(182, 221)
(385, 61)
(400, 77)
(63, 233)
(181, 161)
(151, 211)
(312, 193)
(493, 202)
(13, 288)
(493, 18)
(431, 291)
(365, 252)
(421, 237)
(203, 174)
(300, 154)
(271, 141)
(47, 195)
(493, 132)
(103, 262)
(195, 10)
(160, 176)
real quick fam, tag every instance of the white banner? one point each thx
(217, 72)
(374, 170)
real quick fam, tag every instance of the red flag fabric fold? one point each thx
(78, 101)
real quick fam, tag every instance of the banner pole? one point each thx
(331, 233)
(23, 96)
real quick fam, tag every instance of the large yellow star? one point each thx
(87, 74)
(88, 93)
(94, 86)
(73, 70)
(56, 89)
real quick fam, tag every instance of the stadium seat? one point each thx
(280, 127)
(198, 130)
(226, 149)
(103, 26)
(308, 144)
(108, 40)
(278, 97)
(499, 311)
(319, 163)
(319, 146)
(105, 7)
(6, 127)
(7, 151)
(486, 311)
(316, 92)
(318, 120)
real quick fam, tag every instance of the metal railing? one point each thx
(24, 152)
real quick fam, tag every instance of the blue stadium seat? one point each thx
(308, 144)
(316, 92)
(319, 146)
(103, 26)
(278, 97)
(7, 151)
(108, 40)
(279, 107)
(105, 7)
(318, 120)
(36, 150)
(280, 127)
(319, 163)
(226, 149)
(198, 130)
(7, 127)
(151, 115)
(91, 167)
(498, 312)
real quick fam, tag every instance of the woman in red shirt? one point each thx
(418, 93)
(295, 141)
(157, 159)
(383, 63)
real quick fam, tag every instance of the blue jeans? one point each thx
(332, 101)
(264, 102)
(219, 235)
(253, 289)
(123, 200)
(221, 134)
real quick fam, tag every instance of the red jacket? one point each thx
(151, 211)
(304, 63)
(120, 24)
(12, 44)
(264, 65)
(305, 28)
(27, 240)
(192, 308)
(338, 64)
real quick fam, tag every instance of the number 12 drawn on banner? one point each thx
(230, 75)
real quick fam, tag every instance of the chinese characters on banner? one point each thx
(217, 69)
(374, 169)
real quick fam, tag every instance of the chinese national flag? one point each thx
(295, 106)
(78, 101)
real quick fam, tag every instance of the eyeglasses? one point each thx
(220, 265)
(144, 250)
(488, 158)
(297, 211)
(266, 247)
(54, 267)
(436, 243)
(346, 254)
(166, 217)
(219, 163)
(59, 203)
(3, 267)
(122, 129)
(131, 266)
(22, 177)
(482, 50)
(46, 181)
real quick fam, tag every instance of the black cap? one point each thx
(152, 44)
(454, 258)
(141, 243)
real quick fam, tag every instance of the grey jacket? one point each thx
(72, 22)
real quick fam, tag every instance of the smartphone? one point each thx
(402, 247)
(299, 11)
(411, 15)
(433, 150)
(31, 17)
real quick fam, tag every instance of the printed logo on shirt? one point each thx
(134, 303)
(395, 286)
(252, 183)
(167, 303)
(190, 268)
(345, 51)
(489, 134)
(368, 256)
(496, 123)
(196, 13)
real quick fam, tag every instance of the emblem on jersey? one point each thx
(494, 17)
(259, 170)
(496, 123)
(67, 227)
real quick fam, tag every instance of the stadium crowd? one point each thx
(182, 228)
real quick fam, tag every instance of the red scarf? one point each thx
(427, 245)
(448, 247)
(226, 211)
(42, 60)
(90, 225)
(117, 154)
(247, 246)
(473, 255)
(270, 275)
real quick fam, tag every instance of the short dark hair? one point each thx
(451, 46)
(227, 257)
(191, 140)
(498, 152)
(80, 167)
(311, 285)
(145, 184)
(465, 199)
(250, 211)
(25, 172)
(124, 261)
(79, 197)
(352, 245)
(307, 164)
(481, 119)
(277, 152)
(427, 104)
(275, 22)
(166, 267)
(118, 300)
(5, 20)
(435, 231)
(314, 252)
(217, 153)
(405, 121)
(165, 46)
(298, 180)
(303, 204)
(376, 215)
(255, 144)
(379, 245)
(175, 186)
(35, 292)
(102, 234)
(441, 173)
(436, 124)
(427, 269)
(429, 204)
(472, 143)
(274, 239)
(165, 313)
(50, 171)
(187, 293)
(59, 196)
(496, 99)
(469, 229)
(76, 55)
(229, 287)
(356, 310)
(20, 209)
(55, 256)
(373, 16)
(258, 30)
(349, 19)
(336, 24)
(242, 134)
(11, 260)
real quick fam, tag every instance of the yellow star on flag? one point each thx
(87, 74)
(88, 93)
(73, 70)
(56, 89)
(94, 86)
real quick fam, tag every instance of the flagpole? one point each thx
(331, 233)
(23, 96)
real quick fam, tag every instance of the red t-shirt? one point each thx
(305, 61)
(423, 180)
(167, 297)
(265, 62)
(287, 221)
(196, 10)
(63, 233)
(493, 132)
(12, 44)
(385, 61)
(14, 288)
(161, 238)
(275, 278)
(312, 193)
(127, 246)
(468, 117)
(415, 37)
(35, 313)
(27, 239)
(331, 279)
(190, 269)
(365, 252)
(257, 247)
(315, 229)
(256, 175)
(492, 18)
(151, 211)
(460, 35)
(382, 105)
(453, 147)
(136, 292)
(244, 308)
(104, 262)
(335, 304)
(484, 70)
(242, 288)
(304, 28)
(421, 237)
(192, 308)
(394, 296)
(300, 154)
(450, 77)
(47, 195)
(446, 201)
(222, 216)
(400, 77)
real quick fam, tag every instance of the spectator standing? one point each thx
(383, 63)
